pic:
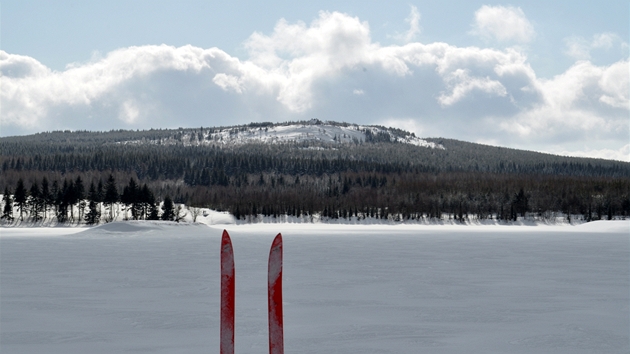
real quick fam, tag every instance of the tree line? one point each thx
(401, 196)
(410, 196)
(60, 200)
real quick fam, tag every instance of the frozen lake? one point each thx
(141, 287)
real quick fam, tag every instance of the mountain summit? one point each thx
(309, 132)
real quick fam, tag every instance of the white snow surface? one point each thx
(153, 287)
(322, 132)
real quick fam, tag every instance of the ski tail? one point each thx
(276, 329)
(227, 294)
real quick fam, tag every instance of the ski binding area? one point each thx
(157, 287)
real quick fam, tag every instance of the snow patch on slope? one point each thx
(314, 131)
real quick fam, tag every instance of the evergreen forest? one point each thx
(76, 175)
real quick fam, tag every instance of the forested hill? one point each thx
(461, 155)
(321, 168)
(295, 147)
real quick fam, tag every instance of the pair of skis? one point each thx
(274, 298)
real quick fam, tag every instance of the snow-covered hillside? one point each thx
(314, 131)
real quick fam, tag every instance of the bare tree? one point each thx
(194, 212)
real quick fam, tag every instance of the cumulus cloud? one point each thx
(504, 24)
(585, 102)
(330, 69)
(461, 84)
(28, 99)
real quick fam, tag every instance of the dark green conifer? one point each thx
(168, 209)
(93, 215)
(7, 211)
(19, 197)
(111, 195)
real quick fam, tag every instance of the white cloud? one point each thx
(605, 40)
(462, 84)
(614, 83)
(129, 112)
(358, 92)
(228, 82)
(27, 99)
(585, 102)
(324, 69)
(409, 124)
(581, 48)
(504, 24)
(621, 154)
(414, 27)
(577, 48)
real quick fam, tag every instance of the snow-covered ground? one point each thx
(154, 287)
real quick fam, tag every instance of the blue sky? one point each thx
(540, 75)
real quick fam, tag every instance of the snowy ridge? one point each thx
(313, 131)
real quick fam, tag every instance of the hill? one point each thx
(313, 139)
(335, 169)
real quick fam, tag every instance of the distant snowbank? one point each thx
(136, 226)
(605, 226)
(39, 231)
(614, 226)
(149, 228)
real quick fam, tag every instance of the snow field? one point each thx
(153, 287)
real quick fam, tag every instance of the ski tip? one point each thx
(225, 238)
(277, 240)
(275, 252)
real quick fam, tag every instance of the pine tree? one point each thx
(154, 212)
(7, 212)
(45, 195)
(54, 197)
(93, 215)
(521, 203)
(20, 197)
(130, 197)
(147, 201)
(111, 195)
(62, 201)
(69, 197)
(35, 202)
(168, 210)
(79, 195)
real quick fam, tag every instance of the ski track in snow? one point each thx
(154, 287)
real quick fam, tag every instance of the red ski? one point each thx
(227, 295)
(276, 331)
